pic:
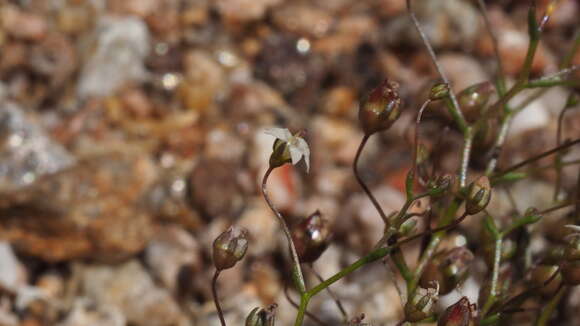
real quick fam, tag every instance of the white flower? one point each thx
(296, 145)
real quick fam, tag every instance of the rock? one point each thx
(244, 10)
(26, 151)
(170, 250)
(22, 25)
(462, 70)
(84, 313)
(203, 80)
(12, 273)
(449, 23)
(131, 291)
(302, 19)
(122, 46)
(88, 211)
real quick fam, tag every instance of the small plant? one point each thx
(453, 198)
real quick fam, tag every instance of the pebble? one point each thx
(121, 48)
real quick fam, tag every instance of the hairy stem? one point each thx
(297, 271)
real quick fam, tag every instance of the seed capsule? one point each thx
(449, 268)
(262, 317)
(230, 247)
(473, 99)
(311, 237)
(478, 195)
(544, 273)
(381, 108)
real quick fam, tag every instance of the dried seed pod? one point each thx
(381, 108)
(473, 99)
(461, 313)
(262, 317)
(544, 273)
(230, 247)
(422, 304)
(449, 268)
(311, 237)
(478, 195)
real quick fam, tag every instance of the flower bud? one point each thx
(380, 109)
(449, 268)
(458, 314)
(478, 195)
(262, 317)
(280, 154)
(440, 185)
(439, 91)
(230, 247)
(422, 303)
(544, 273)
(311, 237)
(474, 98)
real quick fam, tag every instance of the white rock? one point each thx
(122, 46)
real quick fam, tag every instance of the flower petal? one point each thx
(280, 133)
(302, 145)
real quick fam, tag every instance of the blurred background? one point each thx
(131, 135)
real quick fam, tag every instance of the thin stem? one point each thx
(304, 299)
(558, 157)
(500, 72)
(465, 155)
(295, 305)
(297, 271)
(538, 157)
(332, 294)
(416, 149)
(363, 185)
(497, 236)
(445, 223)
(456, 111)
(549, 309)
(559, 206)
(215, 297)
(499, 141)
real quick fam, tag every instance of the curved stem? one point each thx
(215, 297)
(297, 271)
(456, 111)
(332, 294)
(363, 185)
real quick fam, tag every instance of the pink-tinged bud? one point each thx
(311, 237)
(458, 314)
(478, 195)
(381, 108)
(230, 247)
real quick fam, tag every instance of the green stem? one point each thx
(304, 299)
(498, 241)
(465, 155)
(549, 309)
(332, 295)
(296, 270)
(433, 244)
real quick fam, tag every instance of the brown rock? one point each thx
(22, 25)
(88, 211)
